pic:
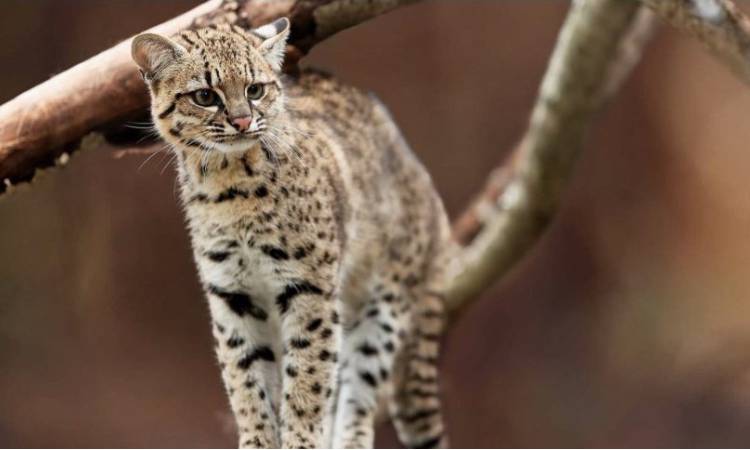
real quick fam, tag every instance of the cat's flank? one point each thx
(319, 239)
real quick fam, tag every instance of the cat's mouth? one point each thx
(246, 136)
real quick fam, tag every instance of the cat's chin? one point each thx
(236, 146)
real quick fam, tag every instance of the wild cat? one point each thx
(319, 239)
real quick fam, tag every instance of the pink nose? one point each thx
(242, 123)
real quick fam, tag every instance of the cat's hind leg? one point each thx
(415, 405)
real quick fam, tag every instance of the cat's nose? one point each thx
(242, 123)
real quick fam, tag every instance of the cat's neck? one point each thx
(213, 170)
(211, 173)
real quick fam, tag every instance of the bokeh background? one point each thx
(628, 325)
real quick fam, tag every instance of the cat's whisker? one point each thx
(284, 143)
(139, 127)
(169, 162)
(149, 157)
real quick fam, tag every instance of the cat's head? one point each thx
(215, 88)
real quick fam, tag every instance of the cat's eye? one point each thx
(255, 91)
(205, 97)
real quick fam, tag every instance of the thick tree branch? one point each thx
(49, 120)
(597, 47)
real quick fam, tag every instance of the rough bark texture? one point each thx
(47, 122)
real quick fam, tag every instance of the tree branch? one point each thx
(717, 24)
(521, 196)
(597, 48)
(49, 120)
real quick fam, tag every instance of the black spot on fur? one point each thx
(275, 252)
(386, 327)
(261, 192)
(200, 198)
(248, 168)
(299, 343)
(300, 253)
(367, 349)
(235, 341)
(240, 303)
(292, 290)
(263, 353)
(230, 194)
(217, 256)
(170, 109)
(368, 378)
(314, 324)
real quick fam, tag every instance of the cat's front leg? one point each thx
(248, 357)
(311, 331)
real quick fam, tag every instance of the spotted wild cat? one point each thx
(319, 239)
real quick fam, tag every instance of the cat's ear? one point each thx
(153, 53)
(274, 37)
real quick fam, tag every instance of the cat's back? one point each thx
(394, 207)
(329, 111)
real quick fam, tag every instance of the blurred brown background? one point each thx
(629, 325)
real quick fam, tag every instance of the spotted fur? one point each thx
(318, 237)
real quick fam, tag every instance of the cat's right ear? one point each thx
(153, 53)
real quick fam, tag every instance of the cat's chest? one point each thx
(238, 254)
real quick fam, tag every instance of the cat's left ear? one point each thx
(153, 53)
(274, 37)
